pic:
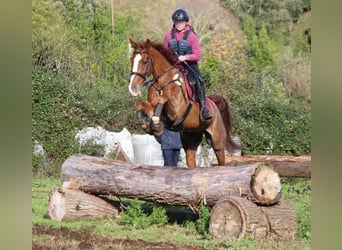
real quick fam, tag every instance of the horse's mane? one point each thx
(166, 52)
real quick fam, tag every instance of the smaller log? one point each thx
(238, 217)
(67, 204)
(282, 220)
(290, 166)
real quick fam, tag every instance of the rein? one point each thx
(151, 83)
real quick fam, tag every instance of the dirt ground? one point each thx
(64, 238)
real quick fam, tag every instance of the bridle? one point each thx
(149, 62)
(151, 82)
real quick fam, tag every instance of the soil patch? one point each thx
(86, 240)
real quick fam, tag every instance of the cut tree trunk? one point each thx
(67, 204)
(295, 166)
(174, 186)
(282, 219)
(238, 217)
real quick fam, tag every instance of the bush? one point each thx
(260, 47)
(55, 45)
(202, 222)
(134, 216)
(270, 127)
(92, 149)
(267, 121)
(61, 107)
(56, 116)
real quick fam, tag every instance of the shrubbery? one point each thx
(134, 216)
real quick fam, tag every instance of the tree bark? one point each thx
(67, 204)
(174, 186)
(282, 220)
(238, 217)
(291, 166)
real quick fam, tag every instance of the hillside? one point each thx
(207, 17)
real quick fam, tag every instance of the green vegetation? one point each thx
(80, 69)
(145, 221)
(134, 216)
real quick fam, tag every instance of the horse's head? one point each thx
(141, 61)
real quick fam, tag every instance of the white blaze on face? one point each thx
(134, 91)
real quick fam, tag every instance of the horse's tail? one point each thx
(225, 112)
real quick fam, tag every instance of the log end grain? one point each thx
(56, 205)
(67, 204)
(237, 217)
(265, 185)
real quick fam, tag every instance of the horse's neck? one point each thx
(160, 65)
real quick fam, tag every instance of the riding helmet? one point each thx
(180, 15)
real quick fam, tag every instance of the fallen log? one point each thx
(282, 220)
(173, 186)
(291, 166)
(238, 217)
(67, 204)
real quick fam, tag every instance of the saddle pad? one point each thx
(189, 91)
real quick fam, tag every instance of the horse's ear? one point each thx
(148, 43)
(133, 44)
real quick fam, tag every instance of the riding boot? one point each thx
(204, 113)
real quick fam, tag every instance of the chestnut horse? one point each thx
(169, 103)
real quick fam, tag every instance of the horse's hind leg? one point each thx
(190, 142)
(216, 143)
(220, 155)
(190, 155)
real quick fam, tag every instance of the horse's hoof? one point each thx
(158, 128)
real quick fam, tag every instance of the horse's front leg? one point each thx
(147, 112)
(158, 103)
(144, 112)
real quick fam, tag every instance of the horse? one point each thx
(168, 102)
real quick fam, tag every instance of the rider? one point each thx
(184, 43)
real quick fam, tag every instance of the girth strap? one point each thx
(177, 125)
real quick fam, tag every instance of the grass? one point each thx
(295, 191)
